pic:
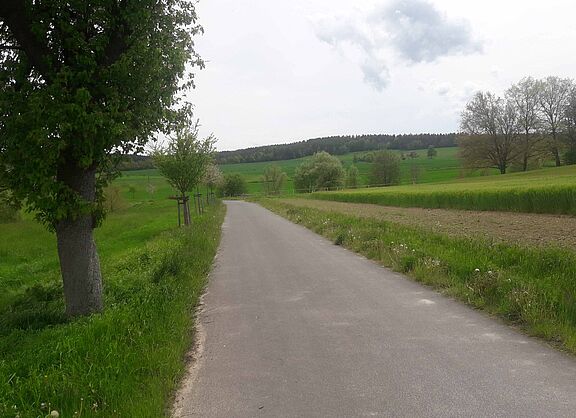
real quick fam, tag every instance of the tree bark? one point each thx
(186, 209)
(555, 150)
(557, 157)
(79, 261)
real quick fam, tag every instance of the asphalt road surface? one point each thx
(294, 326)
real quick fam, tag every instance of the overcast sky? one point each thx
(287, 70)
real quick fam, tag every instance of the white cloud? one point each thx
(397, 33)
(418, 32)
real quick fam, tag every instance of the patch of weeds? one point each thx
(408, 263)
(170, 265)
(340, 238)
(38, 307)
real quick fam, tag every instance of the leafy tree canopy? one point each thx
(79, 81)
(185, 158)
(385, 168)
(322, 171)
(273, 179)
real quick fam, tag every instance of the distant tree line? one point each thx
(135, 162)
(533, 121)
(335, 145)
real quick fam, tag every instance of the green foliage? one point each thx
(84, 82)
(322, 172)
(533, 288)
(570, 156)
(431, 153)
(446, 166)
(127, 361)
(549, 190)
(385, 168)
(8, 210)
(213, 177)
(234, 185)
(352, 177)
(273, 179)
(185, 158)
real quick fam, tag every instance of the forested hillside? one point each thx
(335, 145)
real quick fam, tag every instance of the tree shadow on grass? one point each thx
(38, 307)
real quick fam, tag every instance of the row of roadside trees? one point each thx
(534, 120)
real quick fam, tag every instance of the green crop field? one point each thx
(127, 361)
(445, 166)
(549, 190)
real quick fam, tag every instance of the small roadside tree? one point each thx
(183, 161)
(321, 172)
(385, 169)
(213, 179)
(80, 82)
(273, 179)
(431, 153)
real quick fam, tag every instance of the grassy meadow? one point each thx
(444, 167)
(530, 287)
(127, 361)
(548, 190)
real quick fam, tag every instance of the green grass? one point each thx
(445, 166)
(533, 288)
(549, 190)
(127, 361)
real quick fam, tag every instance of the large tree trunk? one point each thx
(79, 261)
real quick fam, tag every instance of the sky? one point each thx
(280, 71)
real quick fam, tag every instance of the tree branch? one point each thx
(117, 44)
(10, 47)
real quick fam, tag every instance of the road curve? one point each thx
(295, 326)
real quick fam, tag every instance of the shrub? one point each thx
(322, 172)
(234, 185)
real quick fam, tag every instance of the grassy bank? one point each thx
(533, 288)
(127, 361)
(551, 190)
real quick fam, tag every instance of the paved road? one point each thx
(295, 326)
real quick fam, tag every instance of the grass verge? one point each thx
(532, 288)
(125, 362)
